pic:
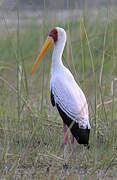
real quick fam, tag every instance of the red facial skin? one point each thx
(54, 34)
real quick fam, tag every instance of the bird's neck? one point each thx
(57, 54)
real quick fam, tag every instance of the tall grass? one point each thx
(31, 132)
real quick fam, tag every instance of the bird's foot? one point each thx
(65, 166)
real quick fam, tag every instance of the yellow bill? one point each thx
(48, 44)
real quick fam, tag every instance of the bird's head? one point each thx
(55, 35)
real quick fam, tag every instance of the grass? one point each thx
(31, 132)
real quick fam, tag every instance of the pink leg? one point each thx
(72, 143)
(65, 140)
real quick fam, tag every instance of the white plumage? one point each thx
(70, 98)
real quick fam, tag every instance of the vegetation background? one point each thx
(31, 131)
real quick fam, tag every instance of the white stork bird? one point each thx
(66, 95)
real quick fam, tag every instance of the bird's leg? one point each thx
(72, 144)
(65, 140)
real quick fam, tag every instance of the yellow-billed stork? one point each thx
(66, 95)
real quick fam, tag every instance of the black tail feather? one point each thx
(81, 135)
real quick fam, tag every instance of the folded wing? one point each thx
(70, 98)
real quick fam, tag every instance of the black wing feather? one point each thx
(81, 135)
(52, 99)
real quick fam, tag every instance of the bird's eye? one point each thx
(54, 34)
